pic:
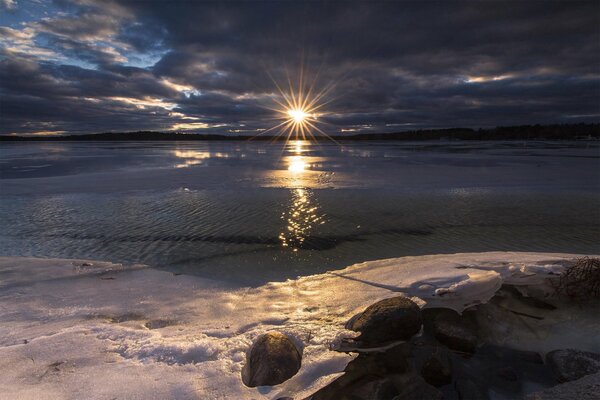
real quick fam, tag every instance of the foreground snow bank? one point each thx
(88, 329)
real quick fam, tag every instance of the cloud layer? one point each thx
(84, 66)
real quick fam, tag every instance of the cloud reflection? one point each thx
(194, 157)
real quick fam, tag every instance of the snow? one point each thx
(89, 329)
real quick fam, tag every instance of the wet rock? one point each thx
(586, 388)
(569, 364)
(272, 359)
(453, 331)
(396, 318)
(437, 370)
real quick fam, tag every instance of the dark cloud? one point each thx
(120, 65)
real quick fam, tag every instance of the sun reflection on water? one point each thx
(297, 164)
(301, 218)
(302, 215)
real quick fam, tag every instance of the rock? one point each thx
(373, 387)
(272, 359)
(510, 355)
(383, 388)
(158, 323)
(569, 364)
(396, 318)
(507, 374)
(369, 376)
(586, 388)
(392, 361)
(437, 370)
(415, 388)
(469, 390)
(451, 330)
(526, 300)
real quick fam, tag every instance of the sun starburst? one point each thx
(299, 109)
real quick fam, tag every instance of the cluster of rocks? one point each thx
(408, 353)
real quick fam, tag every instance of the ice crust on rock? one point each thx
(67, 333)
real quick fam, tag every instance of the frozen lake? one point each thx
(252, 212)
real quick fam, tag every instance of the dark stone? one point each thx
(529, 301)
(469, 390)
(369, 375)
(379, 389)
(508, 374)
(392, 361)
(510, 355)
(415, 388)
(396, 318)
(453, 331)
(158, 323)
(586, 388)
(437, 370)
(272, 359)
(569, 364)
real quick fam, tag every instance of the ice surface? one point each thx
(89, 329)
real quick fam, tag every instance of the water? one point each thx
(251, 212)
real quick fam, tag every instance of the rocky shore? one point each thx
(407, 350)
(497, 325)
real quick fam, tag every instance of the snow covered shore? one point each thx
(88, 329)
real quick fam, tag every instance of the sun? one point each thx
(299, 109)
(298, 115)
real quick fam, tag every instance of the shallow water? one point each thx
(251, 212)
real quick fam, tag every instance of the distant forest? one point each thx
(522, 132)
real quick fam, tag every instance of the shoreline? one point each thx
(153, 334)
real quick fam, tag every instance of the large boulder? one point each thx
(396, 318)
(272, 359)
(570, 364)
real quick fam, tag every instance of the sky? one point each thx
(84, 66)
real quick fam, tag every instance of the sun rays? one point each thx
(299, 109)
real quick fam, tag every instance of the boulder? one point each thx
(272, 359)
(396, 318)
(437, 370)
(569, 364)
(452, 330)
